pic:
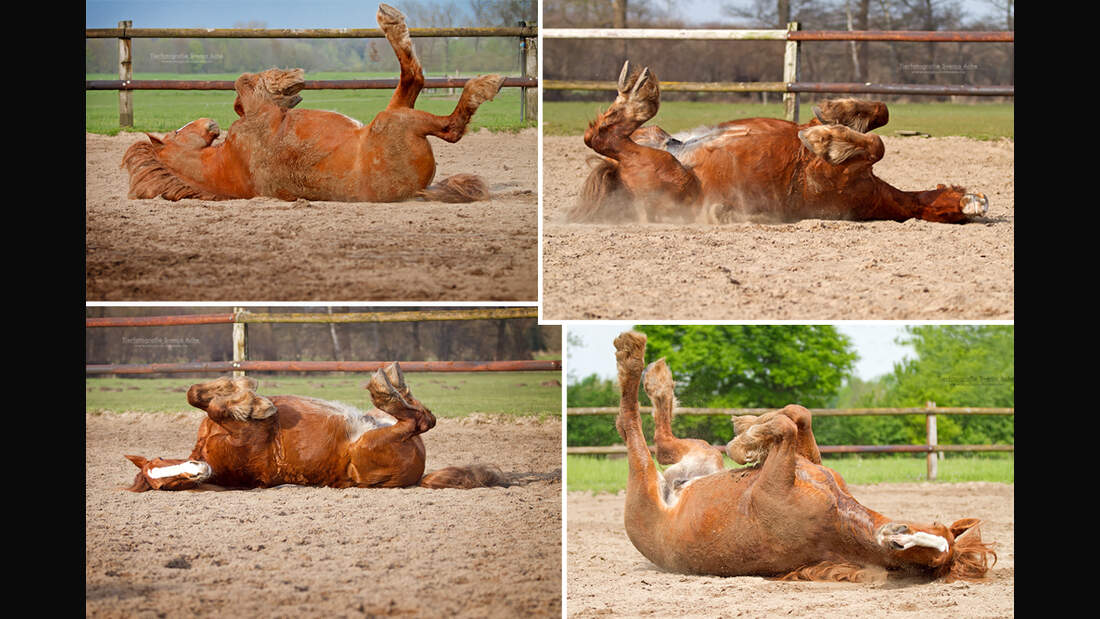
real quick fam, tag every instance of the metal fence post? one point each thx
(125, 73)
(529, 67)
(930, 428)
(790, 73)
(239, 344)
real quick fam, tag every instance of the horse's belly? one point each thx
(395, 166)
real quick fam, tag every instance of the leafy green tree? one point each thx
(753, 365)
(733, 366)
(958, 366)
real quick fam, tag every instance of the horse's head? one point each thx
(276, 86)
(193, 136)
(168, 474)
(954, 552)
(230, 398)
(389, 393)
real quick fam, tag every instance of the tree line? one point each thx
(451, 340)
(762, 61)
(751, 366)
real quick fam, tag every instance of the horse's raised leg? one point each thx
(643, 501)
(689, 458)
(411, 83)
(658, 383)
(857, 114)
(390, 393)
(753, 435)
(231, 399)
(650, 177)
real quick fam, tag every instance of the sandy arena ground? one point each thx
(320, 552)
(270, 250)
(809, 270)
(608, 577)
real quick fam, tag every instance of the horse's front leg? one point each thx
(689, 458)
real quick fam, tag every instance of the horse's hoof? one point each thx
(389, 16)
(974, 205)
(630, 352)
(484, 88)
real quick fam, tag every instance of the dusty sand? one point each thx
(270, 250)
(809, 270)
(608, 577)
(319, 552)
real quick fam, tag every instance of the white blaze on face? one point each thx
(192, 468)
(920, 538)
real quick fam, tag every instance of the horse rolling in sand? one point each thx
(763, 169)
(787, 517)
(275, 150)
(251, 441)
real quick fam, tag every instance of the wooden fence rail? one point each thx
(794, 37)
(125, 84)
(241, 317)
(932, 447)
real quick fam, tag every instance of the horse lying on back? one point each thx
(251, 441)
(787, 517)
(278, 151)
(758, 168)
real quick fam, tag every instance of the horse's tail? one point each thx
(457, 188)
(150, 178)
(465, 477)
(603, 196)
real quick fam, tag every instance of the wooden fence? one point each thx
(791, 87)
(240, 318)
(932, 447)
(125, 85)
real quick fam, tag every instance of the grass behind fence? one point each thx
(602, 474)
(982, 121)
(447, 394)
(160, 111)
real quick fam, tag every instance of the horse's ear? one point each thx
(155, 141)
(137, 460)
(959, 527)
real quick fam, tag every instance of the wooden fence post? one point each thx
(529, 67)
(930, 428)
(125, 73)
(239, 344)
(790, 73)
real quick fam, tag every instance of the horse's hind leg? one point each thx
(393, 24)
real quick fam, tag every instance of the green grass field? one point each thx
(457, 394)
(601, 474)
(160, 111)
(982, 121)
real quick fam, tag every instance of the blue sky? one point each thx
(314, 13)
(874, 342)
(223, 14)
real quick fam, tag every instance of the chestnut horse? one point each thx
(787, 517)
(250, 441)
(275, 150)
(756, 169)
